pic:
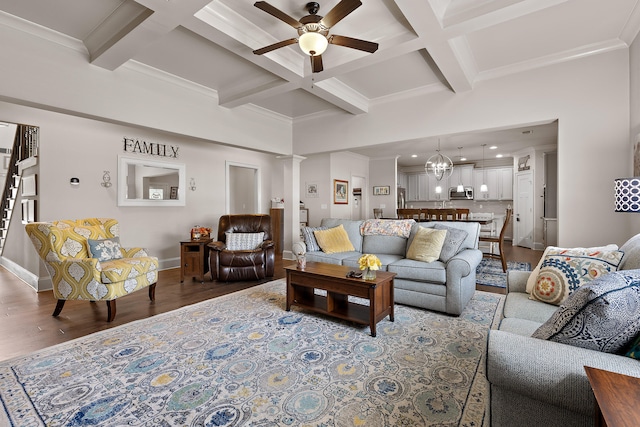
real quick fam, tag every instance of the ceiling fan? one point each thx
(313, 31)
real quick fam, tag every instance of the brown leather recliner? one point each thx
(254, 264)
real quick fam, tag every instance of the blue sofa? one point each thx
(445, 287)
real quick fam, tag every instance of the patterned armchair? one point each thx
(85, 261)
(244, 249)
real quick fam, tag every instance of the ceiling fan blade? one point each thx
(339, 11)
(316, 63)
(353, 43)
(274, 11)
(275, 46)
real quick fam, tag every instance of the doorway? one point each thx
(243, 188)
(359, 185)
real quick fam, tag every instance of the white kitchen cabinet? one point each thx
(402, 180)
(505, 183)
(413, 187)
(499, 183)
(462, 174)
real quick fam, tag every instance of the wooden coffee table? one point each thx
(332, 278)
(616, 398)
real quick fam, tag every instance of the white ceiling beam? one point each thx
(241, 96)
(340, 95)
(453, 63)
(130, 28)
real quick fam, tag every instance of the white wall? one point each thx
(589, 97)
(84, 148)
(58, 76)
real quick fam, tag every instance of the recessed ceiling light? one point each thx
(493, 147)
(463, 159)
(498, 156)
(414, 155)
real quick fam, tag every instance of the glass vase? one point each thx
(369, 274)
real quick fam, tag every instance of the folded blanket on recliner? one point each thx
(387, 227)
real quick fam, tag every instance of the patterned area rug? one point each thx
(490, 273)
(241, 359)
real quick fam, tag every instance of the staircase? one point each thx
(25, 146)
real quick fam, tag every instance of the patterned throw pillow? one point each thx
(452, 242)
(334, 240)
(105, 249)
(603, 315)
(427, 244)
(564, 271)
(310, 238)
(243, 241)
(634, 349)
(531, 282)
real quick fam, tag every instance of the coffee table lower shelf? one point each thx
(301, 285)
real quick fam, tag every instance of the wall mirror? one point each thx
(145, 182)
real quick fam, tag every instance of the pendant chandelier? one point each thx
(483, 187)
(439, 165)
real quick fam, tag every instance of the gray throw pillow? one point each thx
(452, 242)
(310, 238)
(602, 315)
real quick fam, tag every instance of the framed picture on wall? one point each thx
(312, 189)
(340, 192)
(383, 190)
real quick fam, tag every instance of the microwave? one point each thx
(466, 194)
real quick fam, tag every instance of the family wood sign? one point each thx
(151, 148)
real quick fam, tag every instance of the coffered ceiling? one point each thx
(425, 46)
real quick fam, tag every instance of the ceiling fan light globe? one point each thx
(313, 44)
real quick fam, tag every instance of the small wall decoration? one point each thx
(312, 189)
(340, 192)
(523, 163)
(383, 190)
(29, 185)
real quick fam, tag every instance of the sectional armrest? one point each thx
(547, 371)
(464, 262)
(217, 245)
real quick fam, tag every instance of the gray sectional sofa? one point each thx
(445, 287)
(535, 382)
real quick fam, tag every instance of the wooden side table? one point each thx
(194, 261)
(616, 398)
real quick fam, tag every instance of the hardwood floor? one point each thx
(27, 323)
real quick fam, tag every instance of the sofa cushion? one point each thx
(427, 244)
(531, 282)
(380, 245)
(603, 315)
(385, 260)
(337, 258)
(310, 238)
(519, 305)
(243, 241)
(105, 249)
(119, 270)
(452, 242)
(334, 240)
(432, 272)
(564, 271)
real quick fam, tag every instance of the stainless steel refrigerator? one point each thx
(402, 198)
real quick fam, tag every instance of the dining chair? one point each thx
(409, 214)
(500, 241)
(461, 214)
(377, 213)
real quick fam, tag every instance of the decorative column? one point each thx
(291, 166)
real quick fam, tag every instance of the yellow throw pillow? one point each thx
(334, 240)
(427, 244)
